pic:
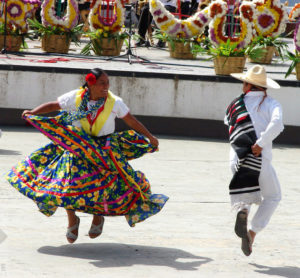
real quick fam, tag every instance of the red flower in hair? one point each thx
(90, 79)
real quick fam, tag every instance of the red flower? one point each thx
(90, 79)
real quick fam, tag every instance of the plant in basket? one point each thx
(16, 28)
(295, 58)
(270, 44)
(180, 34)
(106, 19)
(56, 31)
(104, 42)
(227, 57)
(15, 39)
(180, 47)
(295, 63)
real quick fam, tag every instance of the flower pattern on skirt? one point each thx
(87, 174)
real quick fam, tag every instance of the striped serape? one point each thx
(244, 186)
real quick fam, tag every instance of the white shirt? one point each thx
(266, 119)
(169, 2)
(68, 102)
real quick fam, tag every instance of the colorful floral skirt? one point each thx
(87, 174)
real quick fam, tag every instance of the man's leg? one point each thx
(271, 193)
(144, 22)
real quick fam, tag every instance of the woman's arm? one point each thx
(43, 108)
(132, 122)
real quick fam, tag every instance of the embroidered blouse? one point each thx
(68, 102)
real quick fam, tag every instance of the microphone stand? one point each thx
(129, 53)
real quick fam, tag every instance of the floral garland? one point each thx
(97, 21)
(218, 10)
(295, 13)
(271, 17)
(49, 17)
(174, 27)
(18, 11)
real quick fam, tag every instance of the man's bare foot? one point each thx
(252, 234)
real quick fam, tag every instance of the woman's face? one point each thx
(100, 88)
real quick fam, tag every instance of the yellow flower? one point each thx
(96, 197)
(90, 195)
(135, 218)
(58, 201)
(74, 169)
(14, 179)
(145, 207)
(43, 159)
(81, 202)
(61, 174)
(51, 203)
(69, 207)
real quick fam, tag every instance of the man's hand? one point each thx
(256, 150)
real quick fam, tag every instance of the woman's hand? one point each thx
(26, 112)
(256, 150)
(153, 141)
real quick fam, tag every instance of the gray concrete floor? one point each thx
(191, 237)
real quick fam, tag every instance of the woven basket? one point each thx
(107, 47)
(56, 43)
(298, 71)
(228, 65)
(266, 58)
(13, 43)
(181, 51)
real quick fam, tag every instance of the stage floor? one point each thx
(159, 62)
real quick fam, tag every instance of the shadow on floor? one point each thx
(122, 255)
(9, 152)
(284, 271)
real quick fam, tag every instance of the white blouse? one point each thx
(68, 102)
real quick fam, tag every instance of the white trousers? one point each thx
(271, 196)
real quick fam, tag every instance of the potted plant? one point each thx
(106, 19)
(179, 47)
(56, 39)
(295, 63)
(56, 30)
(227, 57)
(14, 38)
(103, 42)
(180, 34)
(270, 45)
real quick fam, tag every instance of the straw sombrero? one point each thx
(257, 75)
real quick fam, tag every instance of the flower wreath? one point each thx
(295, 13)
(97, 22)
(18, 11)
(174, 27)
(49, 17)
(218, 10)
(271, 17)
